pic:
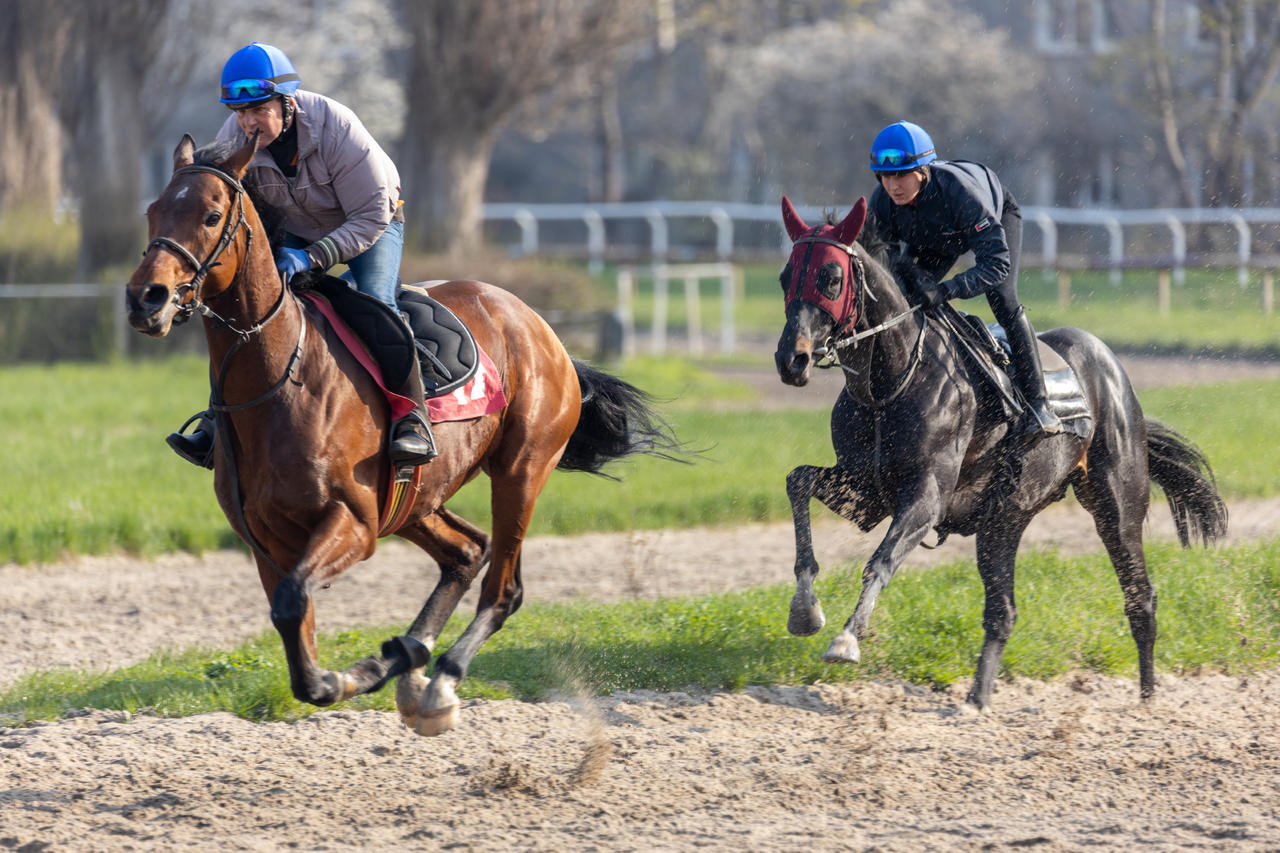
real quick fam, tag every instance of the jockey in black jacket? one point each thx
(939, 210)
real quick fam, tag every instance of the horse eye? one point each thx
(830, 279)
(785, 278)
(212, 218)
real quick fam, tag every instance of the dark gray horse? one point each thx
(922, 436)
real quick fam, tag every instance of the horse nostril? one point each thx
(155, 297)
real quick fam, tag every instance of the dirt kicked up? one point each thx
(1071, 765)
(1074, 765)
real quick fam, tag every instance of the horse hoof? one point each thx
(843, 649)
(340, 687)
(409, 690)
(437, 721)
(805, 619)
(438, 708)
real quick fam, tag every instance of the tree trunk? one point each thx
(32, 44)
(1165, 95)
(613, 165)
(444, 191)
(108, 145)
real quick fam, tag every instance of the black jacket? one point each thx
(959, 209)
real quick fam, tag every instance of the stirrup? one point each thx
(412, 442)
(1040, 420)
(196, 448)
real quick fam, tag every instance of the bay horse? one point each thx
(304, 474)
(920, 437)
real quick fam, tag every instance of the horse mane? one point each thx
(898, 266)
(273, 220)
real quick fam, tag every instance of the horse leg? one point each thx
(514, 495)
(806, 616)
(917, 512)
(461, 549)
(1118, 511)
(837, 489)
(997, 553)
(335, 545)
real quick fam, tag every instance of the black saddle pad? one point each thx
(376, 324)
(423, 329)
(445, 347)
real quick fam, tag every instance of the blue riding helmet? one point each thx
(256, 72)
(901, 147)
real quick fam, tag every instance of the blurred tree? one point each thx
(1211, 85)
(33, 44)
(473, 67)
(815, 95)
(121, 76)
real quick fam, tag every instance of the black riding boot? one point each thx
(197, 447)
(411, 440)
(1029, 376)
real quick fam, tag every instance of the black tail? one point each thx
(617, 420)
(1181, 469)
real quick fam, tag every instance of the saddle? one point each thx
(424, 334)
(988, 349)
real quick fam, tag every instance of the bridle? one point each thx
(842, 333)
(848, 314)
(193, 288)
(843, 337)
(189, 306)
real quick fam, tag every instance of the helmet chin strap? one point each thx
(287, 103)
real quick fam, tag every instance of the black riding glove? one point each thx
(930, 294)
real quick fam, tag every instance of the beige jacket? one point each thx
(347, 189)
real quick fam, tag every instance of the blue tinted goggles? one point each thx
(895, 158)
(239, 91)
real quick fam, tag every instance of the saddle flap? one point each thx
(446, 349)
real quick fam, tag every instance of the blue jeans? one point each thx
(376, 270)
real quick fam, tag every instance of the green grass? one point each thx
(84, 469)
(1219, 610)
(1235, 425)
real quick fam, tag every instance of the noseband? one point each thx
(194, 287)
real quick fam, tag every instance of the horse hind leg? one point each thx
(997, 555)
(1119, 525)
(1125, 551)
(515, 492)
(461, 550)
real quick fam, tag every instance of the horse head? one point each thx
(195, 249)
(822, 282)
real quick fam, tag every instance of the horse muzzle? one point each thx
(795, 364)
(151, 308)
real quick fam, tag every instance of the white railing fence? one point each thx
(589, 242)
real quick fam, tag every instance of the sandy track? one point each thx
(1072, 765)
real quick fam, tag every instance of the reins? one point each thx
(195, 304)
(843, 338)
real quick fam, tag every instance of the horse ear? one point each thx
(185, 153)
(849, 228)
(791, 220)
(238, 163)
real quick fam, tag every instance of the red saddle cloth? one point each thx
(482, 395)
